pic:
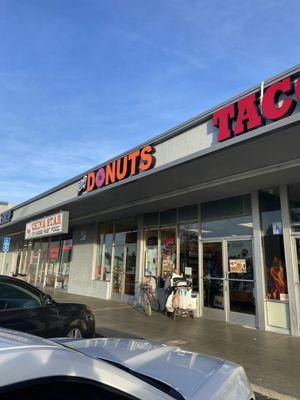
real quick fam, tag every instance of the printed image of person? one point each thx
(276, 280)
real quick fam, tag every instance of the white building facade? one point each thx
(216, 199)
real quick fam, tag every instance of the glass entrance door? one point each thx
(213, 280)
(124, 269)
(118, 270)
(130, 267)
(240, 282)
(124, 263)
(228, 281)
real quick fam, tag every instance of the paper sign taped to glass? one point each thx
(277, 228)
(151, 262)
(237, 266)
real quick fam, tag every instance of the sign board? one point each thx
(277, 228)
(6, 244)
(55, 224)
(132, 164)
(188, 271)
(284, 297)
(276, 101)
(6, 217)
(237, 266)
(151, 261)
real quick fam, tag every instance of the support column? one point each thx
(3, 262)
(200, 265)
(258, 263)
(139, 255)
(291, 262)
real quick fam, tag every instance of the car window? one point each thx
(60, 390)
(13, 296)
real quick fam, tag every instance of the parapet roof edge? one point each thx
(192, 122)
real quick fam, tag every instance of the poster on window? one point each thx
(237, 266)
(277, 228)
(168, 262)
(151, 261)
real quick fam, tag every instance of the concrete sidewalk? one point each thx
(271, 361)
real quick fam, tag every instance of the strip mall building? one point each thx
(216, 198)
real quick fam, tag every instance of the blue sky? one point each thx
(82, 81)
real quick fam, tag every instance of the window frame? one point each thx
(21, 288)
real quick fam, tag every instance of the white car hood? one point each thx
(193, 375)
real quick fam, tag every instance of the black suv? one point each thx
(25, 308)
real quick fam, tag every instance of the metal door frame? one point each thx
(233, 316)
(225, 314)
(113, 293)
(209, 312)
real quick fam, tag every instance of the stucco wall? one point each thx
(46, 202)
(84, 258)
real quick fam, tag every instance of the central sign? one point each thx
(118, 170)
(55, 224)
(278, 101)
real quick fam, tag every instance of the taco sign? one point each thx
(277, 101)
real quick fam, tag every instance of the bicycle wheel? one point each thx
(155, 304)
(147, 305)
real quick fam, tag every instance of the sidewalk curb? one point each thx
(271, 393)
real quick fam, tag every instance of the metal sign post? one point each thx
(5, 249)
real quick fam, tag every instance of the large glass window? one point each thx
(189, 259)
(151, 252)
(151, 220)
(131, 250)
(118, 269)
(98, 271)
(107, 256)
(294, 199)
(270, 209)
(125, 256)
(46, 262)
(227, 217)
(168, 251)
(65, 260)
(168, 217)
(298, 256)
(188, 213)
(104, 258)
(117, 250)
(213, 275)
(54, 257)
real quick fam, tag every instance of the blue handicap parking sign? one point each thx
(6, 243)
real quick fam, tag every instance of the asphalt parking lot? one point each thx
(271, 361)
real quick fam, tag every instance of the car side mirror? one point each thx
(47, 300)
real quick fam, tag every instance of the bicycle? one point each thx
(149, 298)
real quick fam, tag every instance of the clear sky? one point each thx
(83, 80)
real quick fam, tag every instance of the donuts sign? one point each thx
(118, 170)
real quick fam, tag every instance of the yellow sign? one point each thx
(237, 266)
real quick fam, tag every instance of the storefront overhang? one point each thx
(242, 166)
